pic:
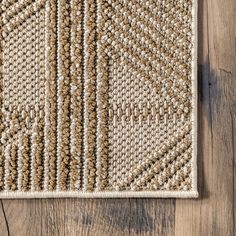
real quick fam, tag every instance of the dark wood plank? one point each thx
(213, 213)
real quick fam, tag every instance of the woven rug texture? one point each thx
(98, 98)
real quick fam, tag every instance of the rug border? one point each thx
(141, 194)
(194, 93)
(125, 194)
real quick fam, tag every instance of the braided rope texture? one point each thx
(96, 96)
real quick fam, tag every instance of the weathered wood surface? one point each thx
(214, 212)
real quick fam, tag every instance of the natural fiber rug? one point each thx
(98, 98)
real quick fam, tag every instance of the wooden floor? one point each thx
(214, 212)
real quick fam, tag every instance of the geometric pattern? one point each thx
(97, 98)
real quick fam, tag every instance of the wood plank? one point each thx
(90, 217)
(110, 217)
(23, 217)
(3, 223)
(213, 213)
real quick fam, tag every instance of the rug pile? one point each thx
(98, 98)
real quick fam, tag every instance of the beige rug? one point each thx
(98, 98)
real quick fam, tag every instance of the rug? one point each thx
(98, 98)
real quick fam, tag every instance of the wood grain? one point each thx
(214, 212)
(89, 217)
(3, 221)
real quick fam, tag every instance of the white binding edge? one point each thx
(111, 194)
(194, 94)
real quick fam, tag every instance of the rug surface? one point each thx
(98, 98)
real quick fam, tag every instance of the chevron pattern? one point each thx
(96, 97)
(149, 49)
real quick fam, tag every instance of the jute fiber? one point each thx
(98, 98)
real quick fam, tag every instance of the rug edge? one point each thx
(75, 194)
(194, 93)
